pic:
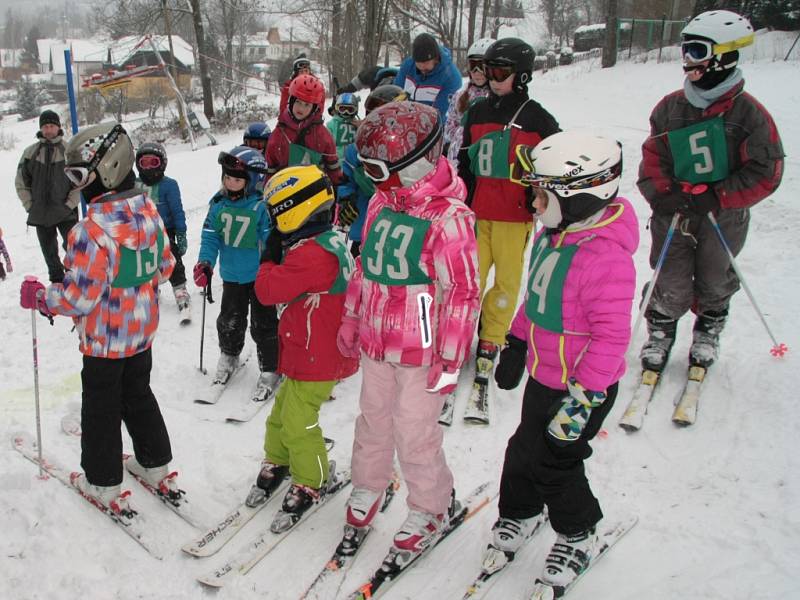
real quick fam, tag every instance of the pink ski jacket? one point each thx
(434, 316)
(596, 302)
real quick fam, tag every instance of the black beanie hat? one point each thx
(49, 117)
(424, 48)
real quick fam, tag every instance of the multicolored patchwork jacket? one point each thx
(415, 286)
(115, 258)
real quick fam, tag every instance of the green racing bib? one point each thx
(137, 267)
(237, 227)
(302, 156)
(546, 276)
(391, 251)
(488, 157)
(700, 151)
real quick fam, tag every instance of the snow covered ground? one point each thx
(717, 503)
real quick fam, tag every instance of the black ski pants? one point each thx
(48, 241)
(538, 472)
(178, 276)
(232, 324)
(115, 391)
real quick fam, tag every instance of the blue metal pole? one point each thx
(73, 107)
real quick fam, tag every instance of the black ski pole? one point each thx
(207, 297)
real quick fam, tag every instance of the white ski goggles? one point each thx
(78, 176)
(375, 169)
(702, 50)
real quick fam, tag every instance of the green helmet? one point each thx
(105, 149)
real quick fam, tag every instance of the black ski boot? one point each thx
(269, 478)
(705, 339)
(655, 352)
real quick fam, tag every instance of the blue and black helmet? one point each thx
(256, 131)
(244, 162)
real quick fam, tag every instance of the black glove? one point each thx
(273, 251)
(670, 204)
(348, 211)
(511, 366)
(704, 202)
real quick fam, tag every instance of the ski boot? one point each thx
(110, 496)
(266, 385)
(298, 499)
(655, 352)
(182, 297)
(362, 506)
(226, 365)
(421, 530)
(705, 338)
(269, 478)
(569, 557)
(160, 478)
(508, 536)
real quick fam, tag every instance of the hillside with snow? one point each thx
(717, 502)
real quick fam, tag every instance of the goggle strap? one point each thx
(741, 42)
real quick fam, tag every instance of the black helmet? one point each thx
(153, 148)
(512, 52)
(149, 173)
(383, 94)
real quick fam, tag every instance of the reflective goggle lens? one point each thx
(498, 73)
(475, 64)
(255, 143)
(374, 169)
(78, 176)
(346, 110)
(230, 162)
(149, 161)
(697, 50)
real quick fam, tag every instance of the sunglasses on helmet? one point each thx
(498, 72)
(149, 161)
(475, 65)
(347, 110)
(232, 163)
(78, 176)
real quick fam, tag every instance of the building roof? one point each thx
(124, 47)
(81, 50)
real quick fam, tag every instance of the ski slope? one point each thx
(717, 502)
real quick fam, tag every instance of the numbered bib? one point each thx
(337, 245)
(137, 267)
(302, 156)
(488, 157)
(345, 134)
(700, 151)
(548, 271)
(237, 227)
(392, 250)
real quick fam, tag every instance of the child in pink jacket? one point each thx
(574, 327)
(411, 309)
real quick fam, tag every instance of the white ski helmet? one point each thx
(726, 29)
(582, 170)
(479, 47)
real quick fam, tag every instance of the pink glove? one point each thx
(202, 274)
(442, 377)
(347, 338)
(31, 295)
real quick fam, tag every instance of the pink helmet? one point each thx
(308, 89)
(397, 134)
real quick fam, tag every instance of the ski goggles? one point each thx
(376, 170)
(78, 176)
(498, 72)
(149, 161)
(702, 50)
(475, 65)
(255, 143)
(347, 110)
(523, 172)
(234, 164)
(372, 103)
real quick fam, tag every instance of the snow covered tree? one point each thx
(27, 98)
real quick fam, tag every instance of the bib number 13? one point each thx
(399, 270)
(703, 162)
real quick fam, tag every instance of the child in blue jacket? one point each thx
(235, 229)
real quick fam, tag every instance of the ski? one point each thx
(477, 410)
(446, 417)
(251, 554)
(180, 506)
(216, 537)
(328, 582)
(184, 315)
(686, 409)
(250, 408)
(392, 568)
(495, 562)
(134, 526)
(213, 393)
(633, 418)
(610, 536)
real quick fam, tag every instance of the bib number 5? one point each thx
(703, 163)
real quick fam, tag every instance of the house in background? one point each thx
(11, 67)
(87, 57)
(287, 44)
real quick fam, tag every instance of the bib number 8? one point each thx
(485, 148)
(227, 226)
(705, 164)
(404, 234)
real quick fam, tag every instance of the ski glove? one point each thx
(670, 204)
(348, 212)
(702, 199)
(511, 366)
(31, 295)
(202, 274)
(573, 414)
(180, 243)
(442, 377)
(347, 340)
(273, 250)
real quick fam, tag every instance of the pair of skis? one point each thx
(685, 412)
(477, 410)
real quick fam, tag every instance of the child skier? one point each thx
(411, 310)
(344, 122)
(4, 251)
(574, 328)
(115, 258)
(477, 87)
(256, 136)
(235, 229)
(300, 138)
(306, 266)
(493, 128)
(713, 148)
(151, 162)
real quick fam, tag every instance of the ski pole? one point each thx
(777, 349)
(651, 286)
(36, 383)
(207, 297)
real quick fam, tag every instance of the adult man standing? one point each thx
(429, 75)
(45, 192)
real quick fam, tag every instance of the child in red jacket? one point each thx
(300, 138)
(306, 266)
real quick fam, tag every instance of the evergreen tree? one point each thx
(27, 103)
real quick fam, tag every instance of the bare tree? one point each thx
(610, 49)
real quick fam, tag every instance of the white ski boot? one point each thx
(110, 496)
(226, 365)
(569, 557)
(160, 478)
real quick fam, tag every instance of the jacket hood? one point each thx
(122, 216)
(617, 224)
(441, 181)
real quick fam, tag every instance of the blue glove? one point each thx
(180, 243)
(576, 408)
